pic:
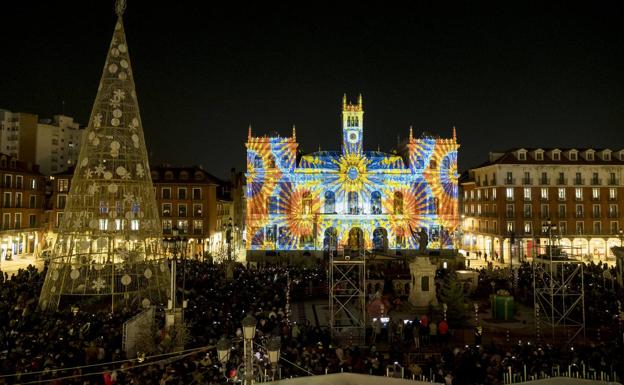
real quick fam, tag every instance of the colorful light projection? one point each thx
(351, 198)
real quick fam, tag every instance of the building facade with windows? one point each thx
(520, 193)
(53, 144)
(352, 198)
(193, 201)
(23, 199)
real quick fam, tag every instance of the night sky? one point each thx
(530, 76)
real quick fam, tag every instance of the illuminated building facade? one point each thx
(509, 201)
(350, 199)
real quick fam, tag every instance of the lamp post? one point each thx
(229, 274)
(176, 244)
(249, 332)
(224, 347)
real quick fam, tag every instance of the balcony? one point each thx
(544, 215)
(596, 214)
(614, 182)
(578, 215)
(596, 181)
(613, 214)
(510, 215)
(527, 215)
(510, 181)
(544, 199)
(562, 181)
(528, 181)
(544, 181)
(562, 215)
(579, 181)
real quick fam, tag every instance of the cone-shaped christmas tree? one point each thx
(108, 245)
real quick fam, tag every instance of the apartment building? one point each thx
(196, 203)
(53, 144)
(22, 188)
(513, 201)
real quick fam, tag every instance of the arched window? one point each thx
(353, 202)
(330, 202)
(398, 203)
(306, 203)
(271, 162)
(376, 202)
(273, 205)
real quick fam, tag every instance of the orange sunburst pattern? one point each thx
(300, 207)
(408, 207)
(443, 182)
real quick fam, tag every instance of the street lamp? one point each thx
(224, 347)
(273, 349)
(249, 332)
(176, 244)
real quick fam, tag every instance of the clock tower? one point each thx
(352, 123)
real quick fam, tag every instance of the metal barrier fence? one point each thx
(572, 371)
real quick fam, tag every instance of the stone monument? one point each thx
(422, 288)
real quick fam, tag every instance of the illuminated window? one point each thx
(376, 202)
(134, 224)
(273, 205)
(544, 193)
(595, 193)
(398, 203)
(527, 193)
(561, 194)
(167, 225)
(63, 185)
(103, 224)
(528, 228)
(352, 202)
(509, 193)
(306, 203)
(578, 194)
(330, 202)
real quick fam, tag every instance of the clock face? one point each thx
(352, 173)
(353, 137)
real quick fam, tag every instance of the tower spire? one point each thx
(249, 133)
(294, 134)
(360, 100)
(454, 134)
(411, 137)
(344, 101)
(120, 7)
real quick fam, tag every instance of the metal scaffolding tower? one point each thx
(559, 294)
(347, 297)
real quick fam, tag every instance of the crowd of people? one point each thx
(39, 347)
